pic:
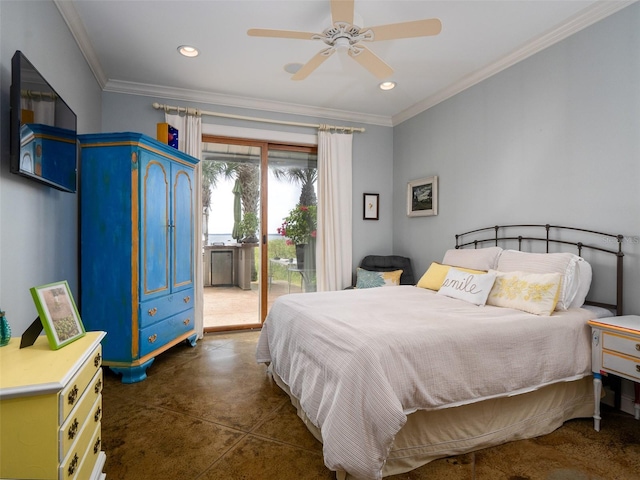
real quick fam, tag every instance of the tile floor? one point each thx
(211, 413)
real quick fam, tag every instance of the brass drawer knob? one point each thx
(638, 347)
(186, 299)
(73, 395)
(638, 368)
(73, 429)
(72, 466)
(187, 321)
(153, 338)
(152, 311)
(96, 360)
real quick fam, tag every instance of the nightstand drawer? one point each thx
(82, 414)
(621, 365)
(621, 343)
(71, 466)
(70, 395)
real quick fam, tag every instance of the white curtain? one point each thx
(334, 241)
(190, 142)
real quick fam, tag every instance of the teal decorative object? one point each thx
(5, 330)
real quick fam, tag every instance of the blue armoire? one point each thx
(137, 219)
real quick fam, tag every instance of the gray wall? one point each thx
(38, 225)
(372, 155)
(554, 139)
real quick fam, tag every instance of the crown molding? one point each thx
(73, 21)
(587, 17)
(158, 91)
(598, 11)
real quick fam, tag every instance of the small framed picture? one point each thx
(58, 314)
(422, 197)
(370, 206)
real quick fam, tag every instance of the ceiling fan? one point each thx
(342, 36)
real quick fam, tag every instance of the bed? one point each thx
(391, 378)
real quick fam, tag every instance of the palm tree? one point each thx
(306, 177)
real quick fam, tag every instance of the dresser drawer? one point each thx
(621, 343)
(621, 365)
(90, 457)
(71, 393)
(82, 414)
(158, 334)
(158, 309)
(70, 467)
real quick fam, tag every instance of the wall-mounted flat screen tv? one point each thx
(44, 144)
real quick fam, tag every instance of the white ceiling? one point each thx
(131, 47)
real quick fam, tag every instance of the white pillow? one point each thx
(585, 275)
(535, 293)
(562, 263)
(474, 258)
(470, 287)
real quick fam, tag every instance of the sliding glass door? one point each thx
(259, 205)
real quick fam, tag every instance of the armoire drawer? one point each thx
(153, 311)
(158, 334)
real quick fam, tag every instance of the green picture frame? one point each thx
(58, 313)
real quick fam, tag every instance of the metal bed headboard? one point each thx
(500, 237)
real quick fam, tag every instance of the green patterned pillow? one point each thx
(369, 279)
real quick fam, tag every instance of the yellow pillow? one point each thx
(436, 273)
(535, 293)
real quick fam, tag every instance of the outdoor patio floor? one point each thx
(234, 307)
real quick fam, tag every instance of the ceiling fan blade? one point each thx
(371, 62)
(314, 63)
(342, 11)
(265, 32)
(417, 28)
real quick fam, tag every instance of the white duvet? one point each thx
(359, 361)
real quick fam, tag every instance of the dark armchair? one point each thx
(389, 263)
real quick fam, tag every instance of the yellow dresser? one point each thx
(51, 410)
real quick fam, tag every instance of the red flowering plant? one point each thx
(300, 225)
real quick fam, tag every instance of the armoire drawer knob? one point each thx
(186, 321)
(153, 338)
(152, 311)
(186, 299)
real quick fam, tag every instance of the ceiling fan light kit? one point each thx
(343, 37)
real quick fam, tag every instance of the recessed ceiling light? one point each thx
(292, 67)
(387, 85)
(188, 51)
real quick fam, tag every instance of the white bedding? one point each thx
(359, 361)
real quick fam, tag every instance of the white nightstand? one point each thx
(615, 350)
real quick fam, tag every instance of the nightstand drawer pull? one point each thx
(152, 311)
(96, 417)
(186, 299)
(73, 395)
(72, 466)
(73, 429)
(186, 321)
(153, 338)
(98, 386)
(96, 447)
(97, 360)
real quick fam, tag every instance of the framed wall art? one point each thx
(58, 314)
(370, 206)
(422, 197)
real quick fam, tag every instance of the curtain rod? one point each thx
(198, 112)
